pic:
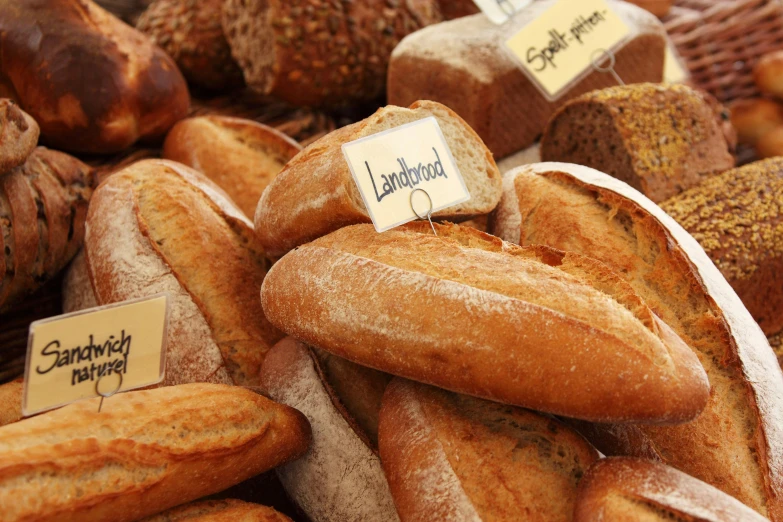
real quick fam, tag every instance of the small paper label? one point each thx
(68, 354)
(388, 166)
(673, 72)
(556, 48)
(499, 11)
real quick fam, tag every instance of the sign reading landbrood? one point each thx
(67, 355)
(388, 166)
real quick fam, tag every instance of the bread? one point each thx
(229, 510)
(11, 401)
(659, 8)
(18, 135)
(625, 489)
(340, 478)
(146, 451)
(93, 84)
(451, 9)
(453, 457)
(158, 226)
(736, 443)
(736, 217)
(660, 139)
(43, 204)
(463, 65)
(241, 156)
(191, 33)
(315, 193)
(319, 52)
(564, 322)
(754, 118)
(770, 144)
(768, 74)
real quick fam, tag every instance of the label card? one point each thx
(499, 11)
(388, 166)
(557, 48)
(68, 354)
(673, 71)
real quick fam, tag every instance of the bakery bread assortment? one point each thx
(219, 511)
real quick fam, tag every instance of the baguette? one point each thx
(564, 322)
(736, 444)
(453, 457)
(229, 510)
(315, 193)
(18, 135)
(145, 452)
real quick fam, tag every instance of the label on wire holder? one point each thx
(499, 11)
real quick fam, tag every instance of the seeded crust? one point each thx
(737, 217)
(320, 52)
(660, 139)
(18, 135)
(219, 511)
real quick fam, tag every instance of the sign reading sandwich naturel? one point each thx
(388, 166)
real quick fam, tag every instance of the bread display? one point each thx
(191, 33)
(461, 64)
(736, 443)
(144, 452)
(18, 135)
(755, 117)
(93, 84)
(219, 511)
(43, 204)
(318, 52)
(660, 139)
(158, 226)
(241, 156)
(625, 489)
(340, 477)
(292, 212)
(453, 457)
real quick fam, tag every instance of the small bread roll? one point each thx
(771, 143)
(768, 74)
(755, 117)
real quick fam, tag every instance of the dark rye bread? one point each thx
(737, 217)
(228, 510)
(18, 135)
(736, 444)
(586, 344)
(660, 139)
(454, 457)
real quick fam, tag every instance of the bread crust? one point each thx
(228, 510)
(767, 74)
(18, 135)
(754, 118)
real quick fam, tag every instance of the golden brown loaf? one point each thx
(241, 156)
(768, 74)
(736, 444)
(146, 451)
(755, 117)
(660, 139)
(158, 226)
(18, 135)
(462, 64)
(315, 193)
(11, 401)
(453, 457)
(191, 33)
(91, 82)
(320, 52)
(340, 478)
(585, 342)
(219, 511)
(43, 204)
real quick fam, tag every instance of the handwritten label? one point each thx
(499, 11)
(556, 48)
(67, 355)
(388, 166)
(673, 71)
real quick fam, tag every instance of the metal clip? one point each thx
(598, 56)
(106, 395)
(507, 7)
(429, 212)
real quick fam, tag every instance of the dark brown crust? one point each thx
(18, 135)
(457, 8)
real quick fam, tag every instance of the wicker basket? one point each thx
(721, 41)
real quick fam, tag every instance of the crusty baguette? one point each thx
(145, 452)
(18, 135)
(736, 444)
(533, 327)
(239, 155)
(340, 478)
(159, 226)
(454, 457)
(315, 193)
(228, 510)
(624, 489)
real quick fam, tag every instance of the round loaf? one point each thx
(228, 510)
(768, 74)
(18, 135)
(770, 144)
(755, 117)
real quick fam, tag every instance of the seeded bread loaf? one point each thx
(191, 33)
(340, 478)
(564, 322)
(43, 204)
(453, 457)
(144, 452)
(462, 64)
(315, 193)
(229, 510)
(320, 52)
(736, 444)
(635, 490)
(158, 226)
(660, 139)
(240, 155)
(18, 135)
